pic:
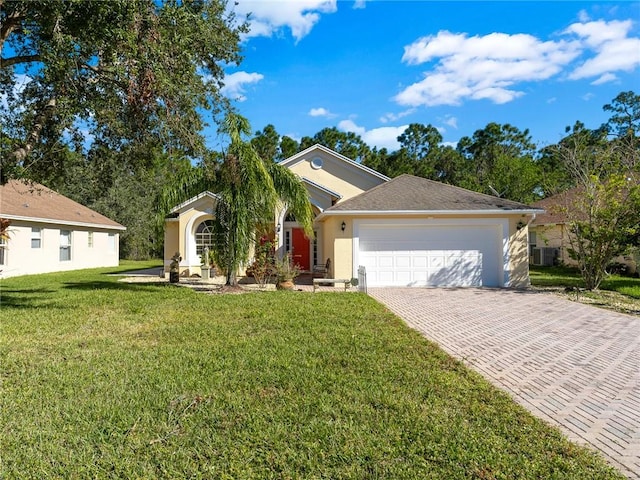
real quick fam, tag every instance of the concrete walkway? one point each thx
(573, 365)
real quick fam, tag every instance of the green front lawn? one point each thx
(102, 379)
(570, 277)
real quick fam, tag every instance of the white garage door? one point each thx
(457, 256)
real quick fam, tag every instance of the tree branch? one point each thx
(106, 74)
(11, 22)
(7, 62)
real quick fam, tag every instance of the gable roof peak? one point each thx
(293, 159)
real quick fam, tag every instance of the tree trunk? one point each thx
(23, 152)
(232, 279)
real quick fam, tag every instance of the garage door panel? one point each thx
(420, 277)
(420, 260)
(431, 255)
(403, 261)
(437, 260)
(403, 276)
(385, 260)
(384, 277)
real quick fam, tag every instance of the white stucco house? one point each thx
(50, 232)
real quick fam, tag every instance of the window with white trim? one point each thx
(204, 236)
(65, 245)
(36, 237)
(3, 251)
(533, 241)
(112, 242)
(90, 239)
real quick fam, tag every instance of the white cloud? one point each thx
(583, 16)
(451, 121)
(614, 50)
(491, 66)
(350, 126)
(595, 34)
(321, 112)
(606, 78)
(234, 84)
(481, 67)
(357, 4)
(293, 136)
(392, 117)
(271, 16)
(382, 137)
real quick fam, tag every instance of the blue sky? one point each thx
(374, 67)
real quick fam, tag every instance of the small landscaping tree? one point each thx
(604, 213)
(250, 189)
(263, 266)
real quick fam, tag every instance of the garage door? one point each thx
(456, 256)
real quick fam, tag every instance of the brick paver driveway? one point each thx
(573, 365)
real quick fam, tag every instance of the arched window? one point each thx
(204, 236)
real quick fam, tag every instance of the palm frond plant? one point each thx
(248, 191)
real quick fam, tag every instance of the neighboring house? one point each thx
(548, 232)
(408, 231)
(549, 235)
(50, 232)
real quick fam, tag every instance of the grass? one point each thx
(616, 292)
(570, 277)
(102, 379)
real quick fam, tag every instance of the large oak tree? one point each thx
(121, 72)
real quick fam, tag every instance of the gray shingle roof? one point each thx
(411, 193)
(37, 202)
(555, 207)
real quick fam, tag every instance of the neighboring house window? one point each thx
(533, 242)
(204, 236)
(3, 251)
(36, 237)
(112, 242)
(90, 239)
(65, 245)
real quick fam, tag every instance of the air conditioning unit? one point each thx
(545, 256)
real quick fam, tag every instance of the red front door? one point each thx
(300, 249)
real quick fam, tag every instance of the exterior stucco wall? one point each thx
(188, 223)
(22, 259)
(336, 176)
(179, 233)
(518, 253)
(340, 246)
(171, 240)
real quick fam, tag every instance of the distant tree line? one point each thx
(497, 160)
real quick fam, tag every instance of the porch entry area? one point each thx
(304, 251)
